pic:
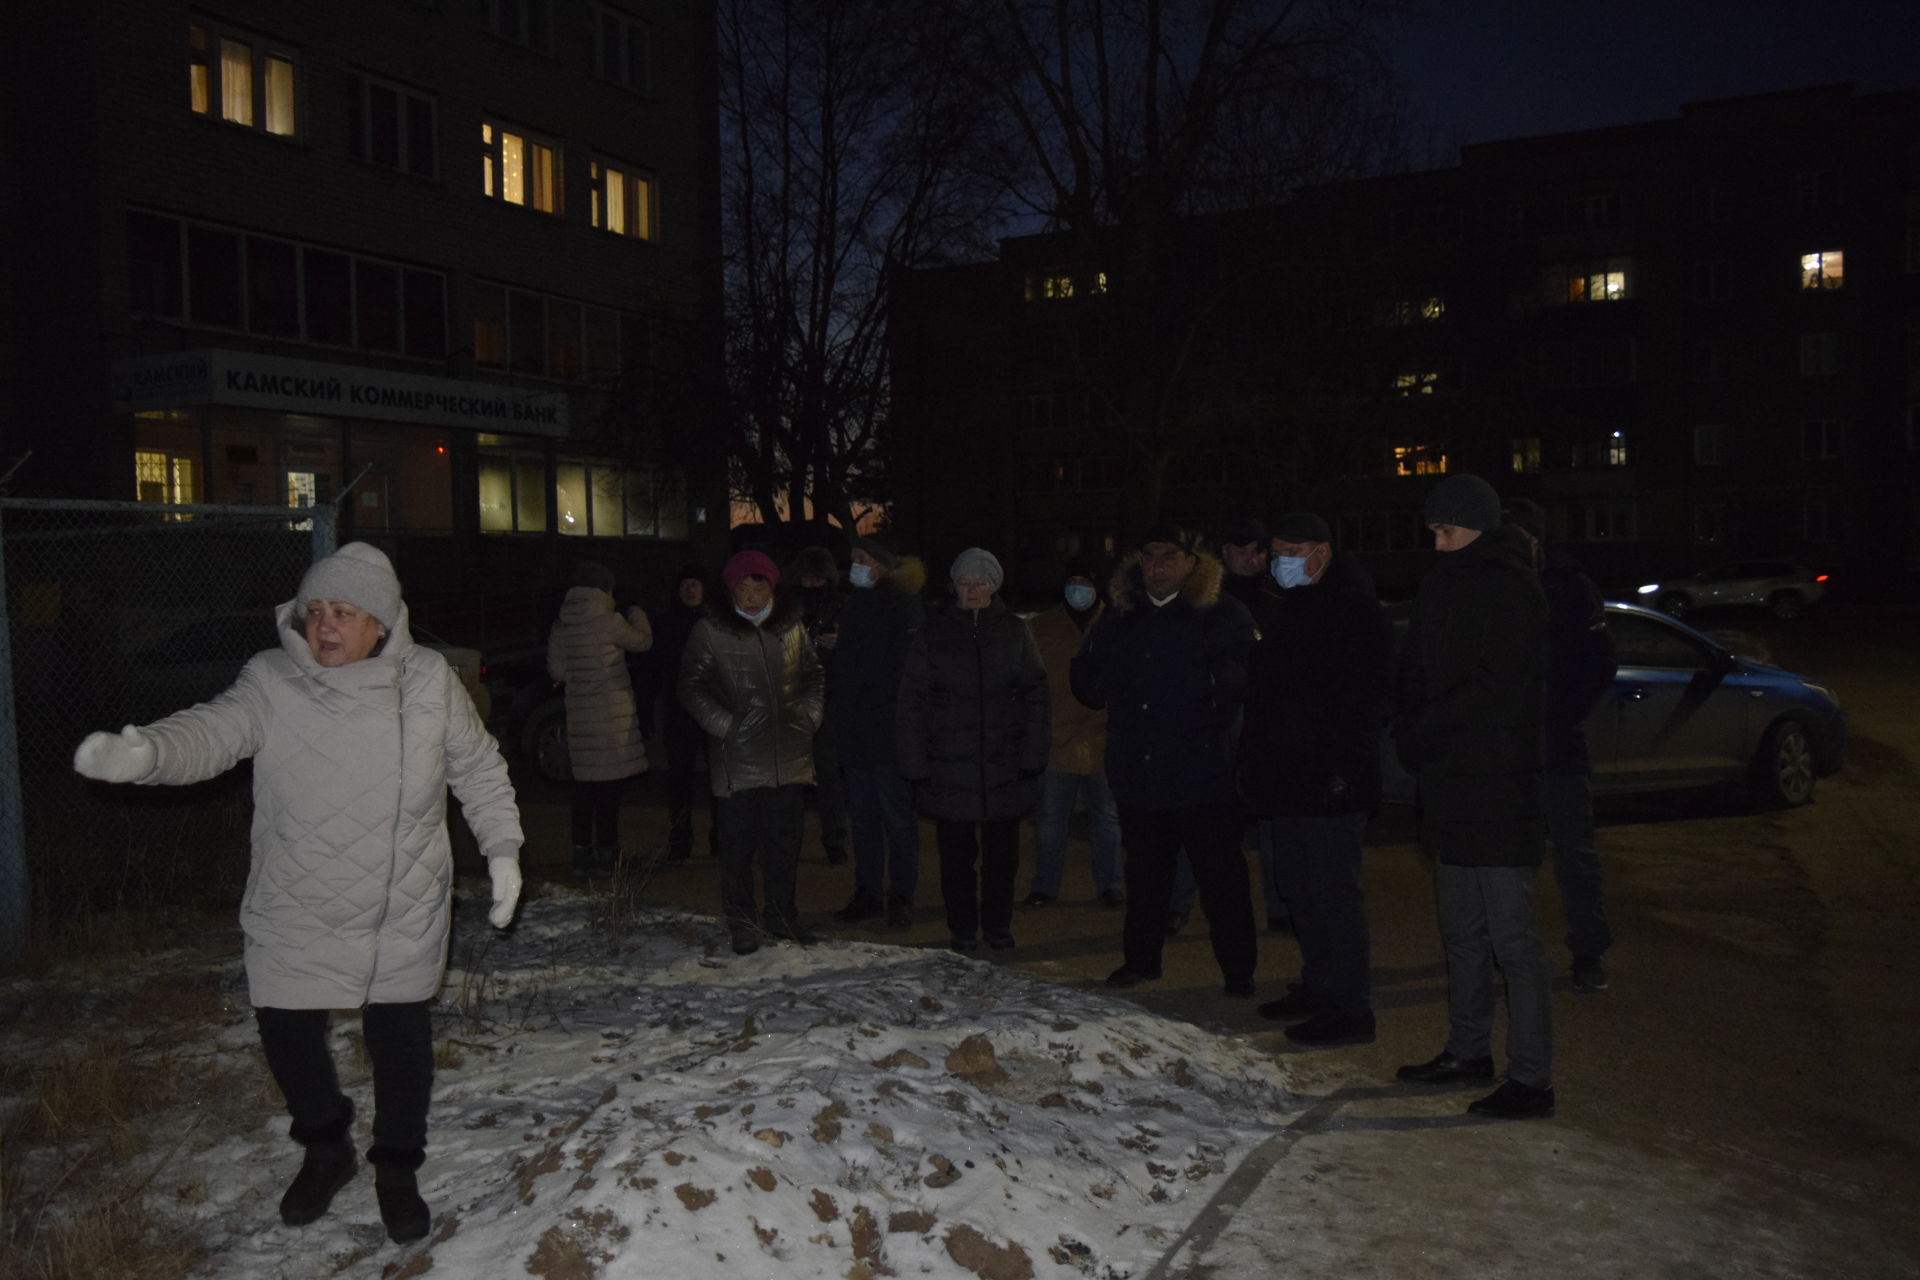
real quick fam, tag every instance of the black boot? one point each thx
(606, 861)
(328, 1166)
(401, 1208)
(583, 861)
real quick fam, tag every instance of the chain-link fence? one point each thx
(120, 613)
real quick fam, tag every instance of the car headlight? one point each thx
(1649, 589)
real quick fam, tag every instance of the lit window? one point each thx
(1419, 460)
(513, 491)
(1823, 270)
(622, 201)
(244, 79)
(1597, 286)
(164, 477)
(1059, 286)
(521, 21)
(621, 50)
(604, 499)
(1417, 311)
(1526, 454)
(1420, 382)
(1604, 449)
(519, 168)
(391, 125)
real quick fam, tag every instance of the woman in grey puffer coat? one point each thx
(586, 651)
(355, 734)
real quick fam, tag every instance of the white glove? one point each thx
(506, 890)
(125, 756)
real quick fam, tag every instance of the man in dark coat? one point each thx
(1317, 701)
(1168, 661)
(974, 738)
(1580, 668)
(877, 622)
(1469, 703)
(818, 580)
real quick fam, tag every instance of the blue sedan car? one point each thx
(1686, 711)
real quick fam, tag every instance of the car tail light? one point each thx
(1820, 577)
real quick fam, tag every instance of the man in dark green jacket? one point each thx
(1470, 704)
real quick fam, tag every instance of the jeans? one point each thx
(1486, 919)
(886, 834)
(399, 1040)
(829, 793)
(1576, 864)
(1209, 835)
(1317, 861)
(596, 812)
(1058, 791)
(988, 906)
(761, 824)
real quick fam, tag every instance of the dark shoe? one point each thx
(1324, 1029)
(797, 936)
(1176, 921)
(1125, 977)
(746, 940)
(606, 861)
(583, 861)
(862, 906)
(1514, 1101)
(967, 943)
(836, 857)
(1291, 1007)
(1113, 897)
(1240, 988)
(1000, 941)
(1037, 899)
(1280, 924)
(899, 914)
(1589, 975)
(1447, 1069)
(328, 1166)
(405, 1214)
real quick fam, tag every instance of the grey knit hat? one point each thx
(879, 550)
(1464, 500)
(359, 574)
(978, 562)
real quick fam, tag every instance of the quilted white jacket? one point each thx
(349, 897)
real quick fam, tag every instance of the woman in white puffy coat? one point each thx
(587, 651)
(355, 734)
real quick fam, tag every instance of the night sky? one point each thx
(1482, 70)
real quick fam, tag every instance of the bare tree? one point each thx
(855, 147)
(1135, 118)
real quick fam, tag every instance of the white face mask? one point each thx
(755, 618)
(1079, 597)
(1290, 571)
(860, 575)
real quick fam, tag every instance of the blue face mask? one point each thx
(755, 618)
(1290, 571)
(1079, 597)
(860, 575)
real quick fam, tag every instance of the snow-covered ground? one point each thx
(638, 1101)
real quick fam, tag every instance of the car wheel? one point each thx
(544, 739)
(1675, 604)
(1787, 604)
(1785, 767)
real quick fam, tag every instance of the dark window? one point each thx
(490, 326)
(1648, 642)
(213, 276)
(421, 137)
(383, 125)
(527, 329)
(602, 343)
(376, 289)
(153, 264)
(563, 338)
(273, 288)
(329, 298)
(426, 304)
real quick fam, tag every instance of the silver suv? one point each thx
(1785, 589)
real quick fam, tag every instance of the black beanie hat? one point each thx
(1464, 500)
(691, 569)
(1302, 526)
(591, 573)
(1080, 567)
(1167, 531)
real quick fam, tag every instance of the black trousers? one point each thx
(684, 739)
(762, 824)
(985, 906)
(596, 812)
(1210, 836)
(400, 1042)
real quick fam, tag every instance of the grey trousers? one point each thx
(1486, 918)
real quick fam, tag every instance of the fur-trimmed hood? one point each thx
(1201, 589)
(909, 577)
(786, 614)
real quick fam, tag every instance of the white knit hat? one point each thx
(359, 574)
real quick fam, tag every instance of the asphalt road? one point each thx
(1765, 979)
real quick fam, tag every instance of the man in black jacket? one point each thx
(1317, 701)
(1168, 663)
(1469, 705)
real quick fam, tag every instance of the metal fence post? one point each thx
(324, 517)
(13, 839)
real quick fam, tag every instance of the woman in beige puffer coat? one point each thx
(355, 733)
(586, 651)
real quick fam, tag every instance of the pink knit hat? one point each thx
(750, 564)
